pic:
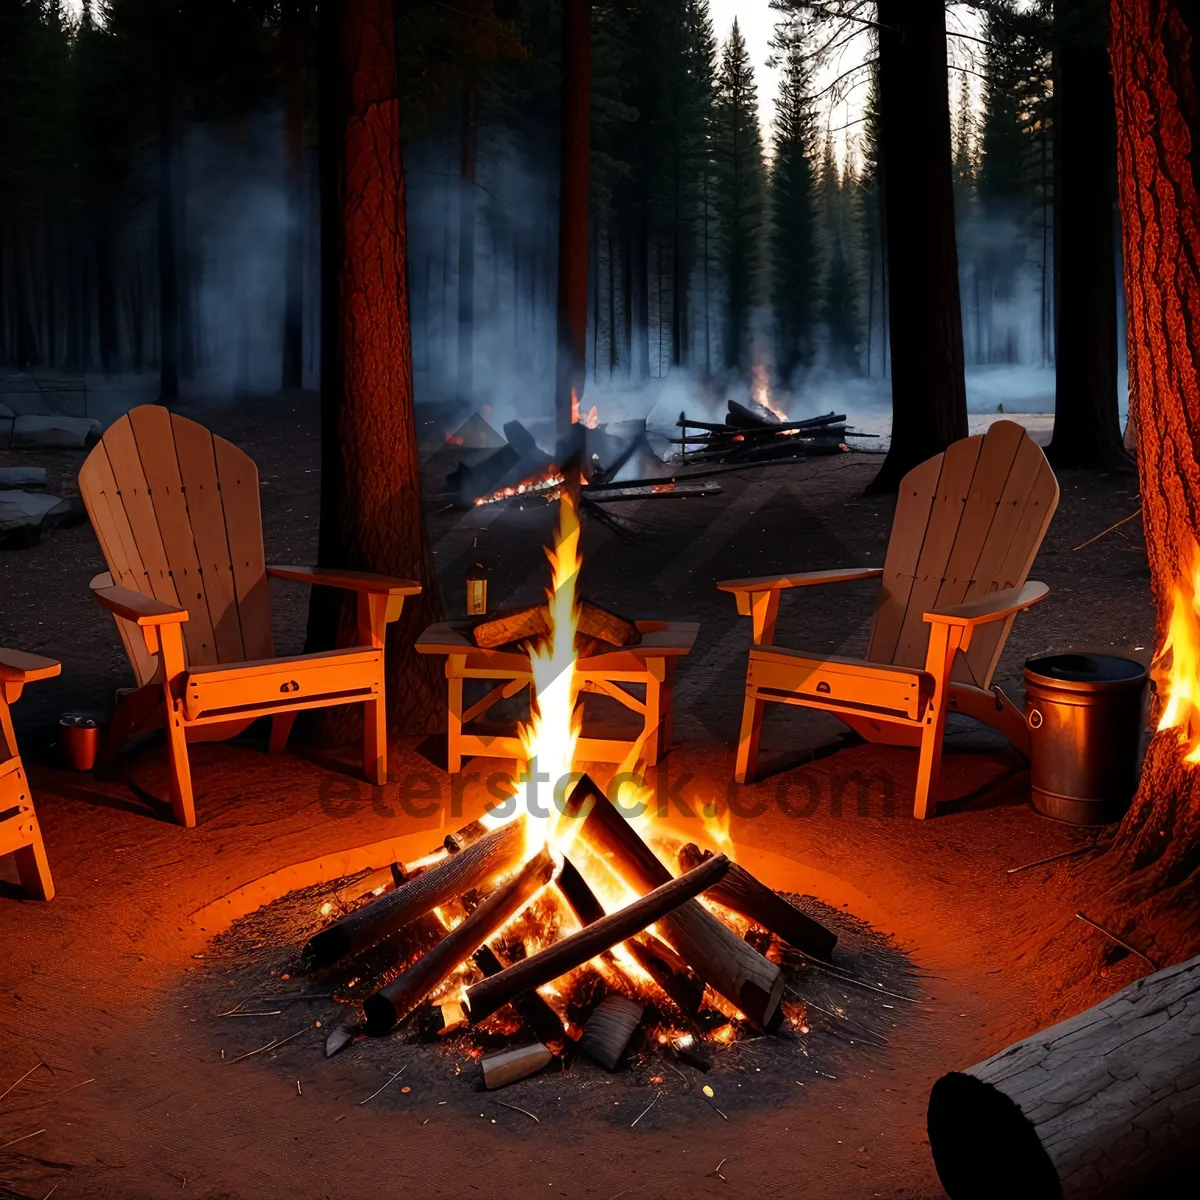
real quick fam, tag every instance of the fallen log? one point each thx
(741, 893)
(717, 955)
(497, 853)
(391, 1004)
(1106, 1104)
(485, 997)
(655, 957)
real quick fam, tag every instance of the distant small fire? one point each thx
(1180, 679)
(760, 391)
(589, 419)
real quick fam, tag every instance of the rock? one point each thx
(21, 516)
(68, 432)
(67, 513)
(20, 477)
(6, 413)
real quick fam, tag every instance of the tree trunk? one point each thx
(1106, 1104)
(929, 406)
(1156, 855)
(571, 359)
(293, 299)
(1087, 427)
(371, 516)
(466, 245)
(168, 278)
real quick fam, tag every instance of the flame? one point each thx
(589, 420)
(550, 738)
(760, 391)
(1181, 680)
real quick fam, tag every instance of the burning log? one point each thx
(1104, 1104)
(496, 854)
(535, 1013)
(608, 1031)
(718, 956)
(391, 1004)
(485, 997)
(741, 417)
(741, 893)
(655, 957)
(519, 624)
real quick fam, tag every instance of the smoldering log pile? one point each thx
(518, 468)
(506, 965)
(756, 434)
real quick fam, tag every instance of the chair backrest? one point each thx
(177, 514)
(968, 522)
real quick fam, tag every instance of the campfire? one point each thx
(566, 918)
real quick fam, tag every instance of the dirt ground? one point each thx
(134, 1099)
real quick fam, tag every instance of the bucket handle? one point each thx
(1034, 718)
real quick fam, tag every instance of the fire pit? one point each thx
(606, 1023)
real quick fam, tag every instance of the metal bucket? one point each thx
(1084, 713)
(79, 737)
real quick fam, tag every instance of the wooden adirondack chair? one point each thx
(20, 835)
(967, 527)
(176, 511)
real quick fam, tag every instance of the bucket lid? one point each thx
(1089, 669)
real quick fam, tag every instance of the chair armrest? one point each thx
(18, 667)
(350, 581)
(133, 606)
(993, 607)
(742, 588)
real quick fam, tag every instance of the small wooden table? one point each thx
(651, 663)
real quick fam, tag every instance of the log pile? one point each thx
(755, 434)
(497, 905)
(597, 627)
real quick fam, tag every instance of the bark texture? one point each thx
(573, 210)
(929, 400)
(371, 515)
(1087, 427)
(1157, 851)
(1106, 1104)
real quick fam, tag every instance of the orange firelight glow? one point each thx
(1180, 680)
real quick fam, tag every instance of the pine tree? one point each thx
(739, 188)
(872, 238)
(794, 275)
(839, 307)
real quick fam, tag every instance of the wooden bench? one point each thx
(651, 663)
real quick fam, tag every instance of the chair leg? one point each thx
(654, 744)
(33, 867)
(944, 642)
(929, 766)
(454, 727)
(182, 801)
(281, 730)
(132, 714)
(375, 741)
(747, 752)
